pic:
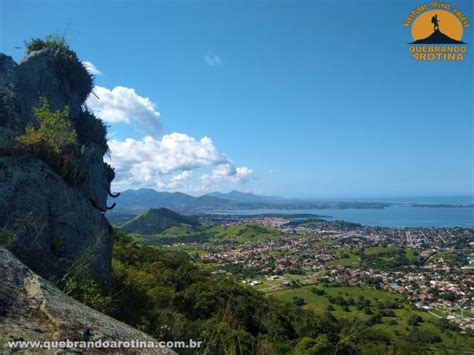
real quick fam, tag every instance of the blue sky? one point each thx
(298, 98)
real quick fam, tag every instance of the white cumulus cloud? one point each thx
(91, 68)
(122, 104)
(151, 162)
(185, 175)
(159, 161)
(227, 172)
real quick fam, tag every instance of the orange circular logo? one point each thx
(437, 30)
(435, 22)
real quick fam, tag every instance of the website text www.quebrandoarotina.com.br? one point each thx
(104, 344)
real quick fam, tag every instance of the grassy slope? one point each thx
(243, 233)
(353, 260)
(155, 221)
(213, 235)
(319, 304)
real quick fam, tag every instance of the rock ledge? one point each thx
(33, 309)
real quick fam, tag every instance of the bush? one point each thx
(7, 238)
(309, 346)
(91, 129)
(376, 319)
(443, 323)
(54, 141)
(368, 310)
(414, 320)
(87, 291)
(55, 131)
(423, 337)
(318, 291)
(299, 301)
(109, 172)
(55, 42)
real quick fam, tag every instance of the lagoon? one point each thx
(394, 216)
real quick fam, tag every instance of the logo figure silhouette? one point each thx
(435, 22)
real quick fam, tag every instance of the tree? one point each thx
(318, 346)
(414, 320)
(299, 301)
(318, 291)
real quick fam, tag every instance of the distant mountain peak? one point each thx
(245, 197)
(143, 199)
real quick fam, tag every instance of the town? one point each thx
(431, 267)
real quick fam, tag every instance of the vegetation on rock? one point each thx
(54, 141)
(91, 129)
(55, 132)
(66, 63)
(52, 41)
(7, 238)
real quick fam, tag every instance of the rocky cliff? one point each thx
(33, 309)
(51, 224)
(54, 186)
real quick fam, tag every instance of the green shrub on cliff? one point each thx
(54, 140)
(55, 42)
(7, 238)
(91, 129)
(87, 291)
(55, 132)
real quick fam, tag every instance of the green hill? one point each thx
(243, 233)
(155, 221)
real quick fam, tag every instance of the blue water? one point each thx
(452, 200)
(393, 216)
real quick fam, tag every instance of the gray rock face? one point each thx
(56, 225)
(22, 85)
(56, 228)
(10, 107)
(36, 76)
(96, 185)
(33, 309)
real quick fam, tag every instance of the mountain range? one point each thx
(144, 199)
(247, 197)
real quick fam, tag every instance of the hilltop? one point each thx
(155, 221)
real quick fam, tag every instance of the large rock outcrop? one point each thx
(53, 225)
(54, 228)
(33, 309)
